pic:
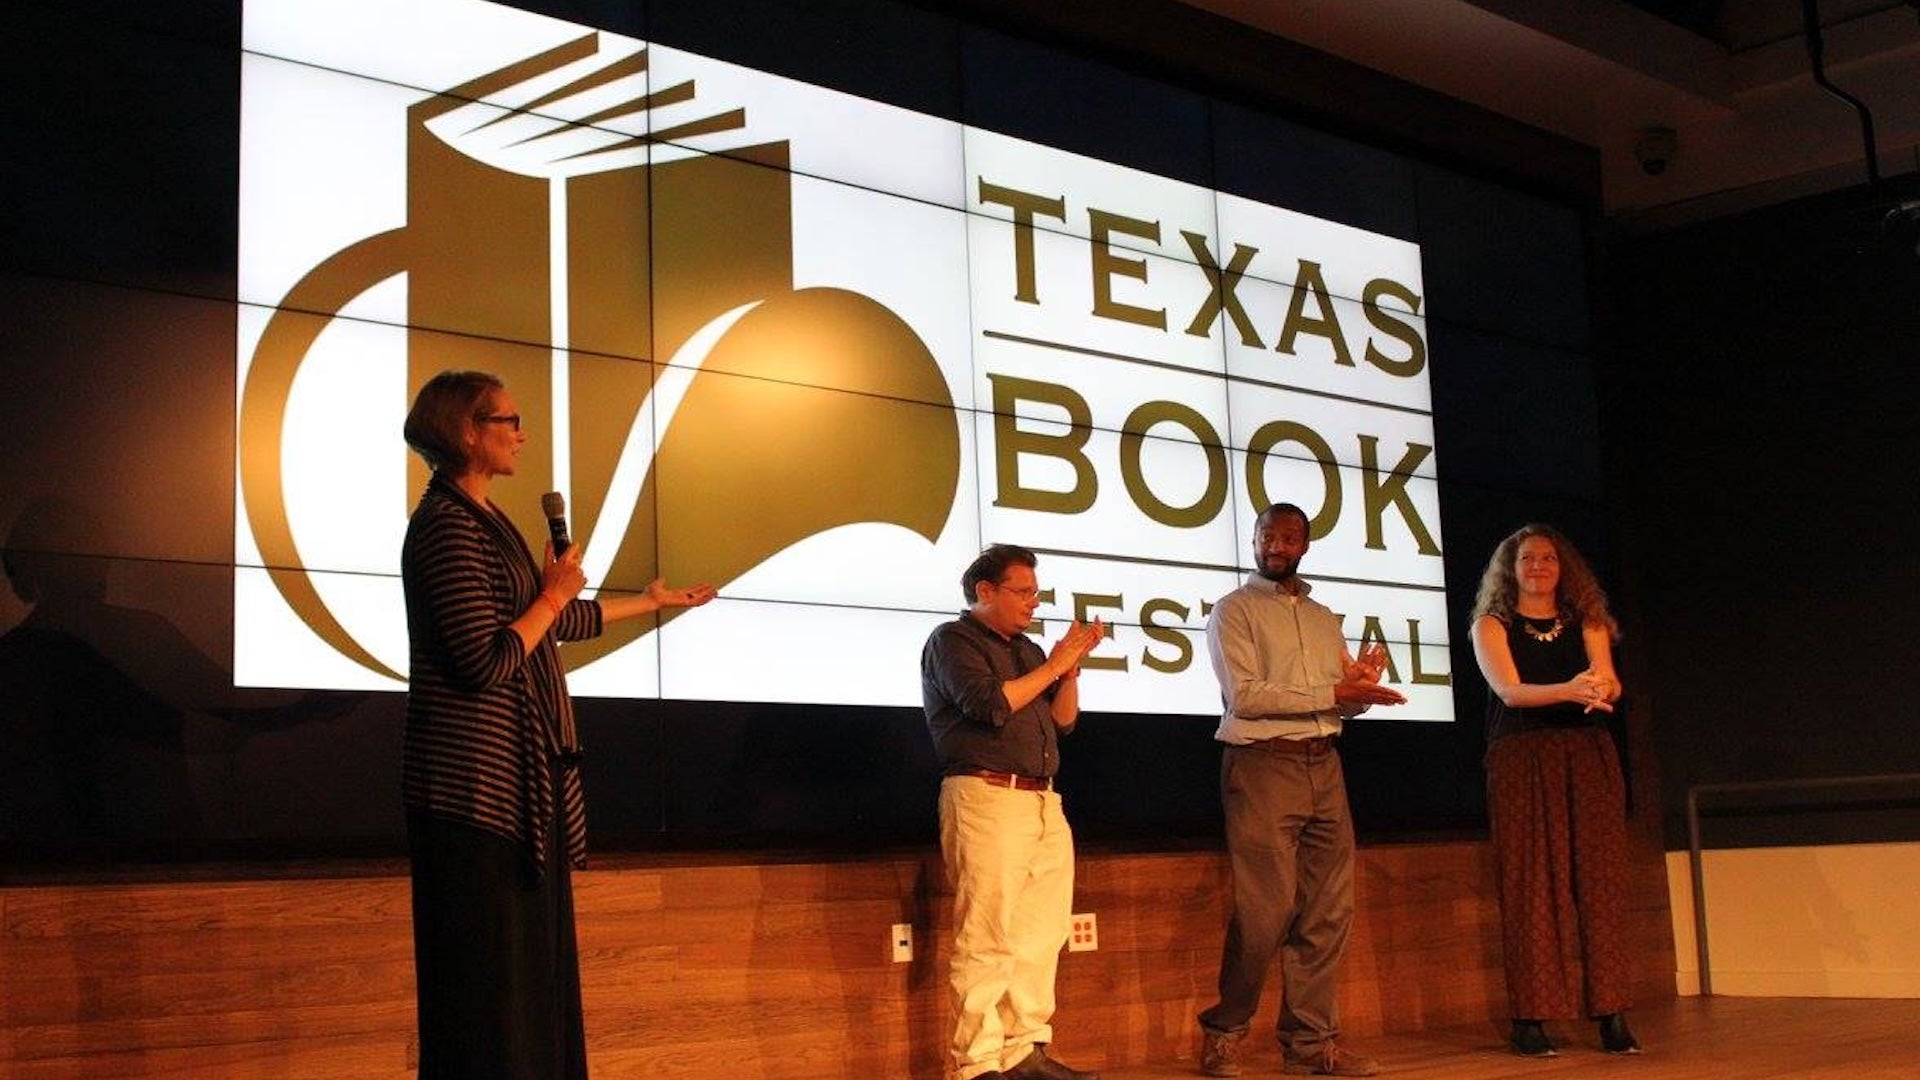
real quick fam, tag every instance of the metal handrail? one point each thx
(1752, 788)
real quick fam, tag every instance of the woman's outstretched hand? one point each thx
(693, 596)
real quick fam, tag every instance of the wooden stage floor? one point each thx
(1686, 1039)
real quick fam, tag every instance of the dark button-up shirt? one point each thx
(962, 668)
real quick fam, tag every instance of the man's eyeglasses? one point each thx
(1027, 593)
(512, 419)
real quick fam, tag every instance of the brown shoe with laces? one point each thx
(1220, 1054)
(1327, 1059)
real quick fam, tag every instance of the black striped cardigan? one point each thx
(484, 721)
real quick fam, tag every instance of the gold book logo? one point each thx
(800, 410)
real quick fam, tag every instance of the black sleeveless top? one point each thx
(1541, 655)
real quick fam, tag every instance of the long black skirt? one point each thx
(495, 960)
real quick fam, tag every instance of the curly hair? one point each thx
(1578, 595)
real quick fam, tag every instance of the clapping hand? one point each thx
(1368, 666)
(1360, 680)
(1075, 644)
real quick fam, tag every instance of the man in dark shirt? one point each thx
(997, 705)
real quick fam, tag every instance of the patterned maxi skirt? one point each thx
(1557, 806)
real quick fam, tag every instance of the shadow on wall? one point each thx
(113, 724)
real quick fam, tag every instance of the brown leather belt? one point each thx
(1010, 780)
(1315, 746)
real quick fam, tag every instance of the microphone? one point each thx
(555, 506)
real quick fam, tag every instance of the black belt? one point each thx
(1010, 780)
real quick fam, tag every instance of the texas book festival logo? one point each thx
(748, 323)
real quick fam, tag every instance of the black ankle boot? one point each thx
(1615, 1036)
(1529, 1039)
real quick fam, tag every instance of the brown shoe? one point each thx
(1038, 1066)
(1220, 1054)
(1327, 1059)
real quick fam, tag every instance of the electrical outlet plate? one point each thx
(901, 941)
(1086, 934)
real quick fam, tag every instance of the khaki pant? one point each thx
(1009, 856)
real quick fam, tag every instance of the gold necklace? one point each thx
(1543, 636)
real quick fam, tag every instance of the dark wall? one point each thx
(1762, 437)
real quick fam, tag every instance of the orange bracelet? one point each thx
(551, 605)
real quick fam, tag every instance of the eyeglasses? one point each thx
(1026, 593)
(512, 420)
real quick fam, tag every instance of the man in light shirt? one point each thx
(1287, 683)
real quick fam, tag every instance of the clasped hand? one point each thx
(1592, 690)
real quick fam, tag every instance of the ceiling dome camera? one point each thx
(1655, 149)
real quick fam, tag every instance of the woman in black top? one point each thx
(490, 761)
(1555, 798)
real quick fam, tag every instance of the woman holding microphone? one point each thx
(490, 765)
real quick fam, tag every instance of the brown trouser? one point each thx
(1290, 842)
